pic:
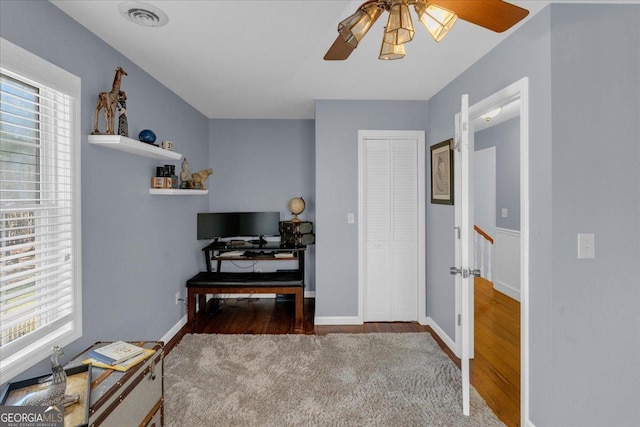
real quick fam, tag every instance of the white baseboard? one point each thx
(530, 424)
(329, 320)
(507, 290)
(443, 336)
(174, 330)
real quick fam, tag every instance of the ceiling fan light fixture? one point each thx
(390, 51)
(437, 20)
(354, 28)
(143, 14)
(399, 29)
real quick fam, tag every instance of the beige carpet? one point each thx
(307, 380)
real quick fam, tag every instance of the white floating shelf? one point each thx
(132, 146)
(176, 192)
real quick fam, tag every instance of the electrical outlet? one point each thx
(586, 245)
(177, 298)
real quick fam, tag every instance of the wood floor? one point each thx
(495, 371)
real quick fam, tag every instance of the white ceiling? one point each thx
(263, 59)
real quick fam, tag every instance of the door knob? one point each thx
(464, 272)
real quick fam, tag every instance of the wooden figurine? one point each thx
(185, 175)
(109, 101)
(199, 178)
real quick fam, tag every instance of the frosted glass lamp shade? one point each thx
(356, 26)
(399, 28)
(389, 51)
(437, 20)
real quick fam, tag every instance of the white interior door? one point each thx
(464, 269)
(390, 215)
(377, 229)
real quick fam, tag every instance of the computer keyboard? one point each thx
(231, 254)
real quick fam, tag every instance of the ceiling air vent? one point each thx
(143, 14)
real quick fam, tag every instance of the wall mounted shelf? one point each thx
(132, 146)
(176, 192)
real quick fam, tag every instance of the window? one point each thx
(40, 256)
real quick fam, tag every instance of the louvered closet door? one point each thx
(390, 228)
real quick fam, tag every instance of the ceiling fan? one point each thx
(437, 16)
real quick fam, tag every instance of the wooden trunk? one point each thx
(131, 398)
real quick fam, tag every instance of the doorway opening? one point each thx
(516, 94)
(391, 224)
(495, 369)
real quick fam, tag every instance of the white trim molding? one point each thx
(174, 330)
(442, 335)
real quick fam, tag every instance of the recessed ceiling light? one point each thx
(143, 14)
(491, 114)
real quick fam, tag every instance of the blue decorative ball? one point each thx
(147, 136)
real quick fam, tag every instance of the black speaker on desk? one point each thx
(297, 233)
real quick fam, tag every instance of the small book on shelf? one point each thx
(116, 352)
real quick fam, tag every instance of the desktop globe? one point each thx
(296, 207)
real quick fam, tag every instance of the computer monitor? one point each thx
(218, 225)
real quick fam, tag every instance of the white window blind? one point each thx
(40, 286)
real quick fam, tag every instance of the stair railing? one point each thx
(483, 243)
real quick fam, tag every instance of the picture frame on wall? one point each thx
(442, 173)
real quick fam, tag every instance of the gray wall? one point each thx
(584, 367)
(505, 137)
(337, 125)
(138, 250)
(259, 165)
(596, 189)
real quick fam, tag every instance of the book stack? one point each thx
(297, 233)
(118, 355)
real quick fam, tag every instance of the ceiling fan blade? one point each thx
(495, 15)
(339, 50)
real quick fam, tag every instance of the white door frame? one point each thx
(422, 291)
(519, 89)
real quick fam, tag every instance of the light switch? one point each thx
(586, 246)
(351, 218)
(505, 212)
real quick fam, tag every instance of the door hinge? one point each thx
(459, 319)
(458, 231)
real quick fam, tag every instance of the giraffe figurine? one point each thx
(109, 101)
